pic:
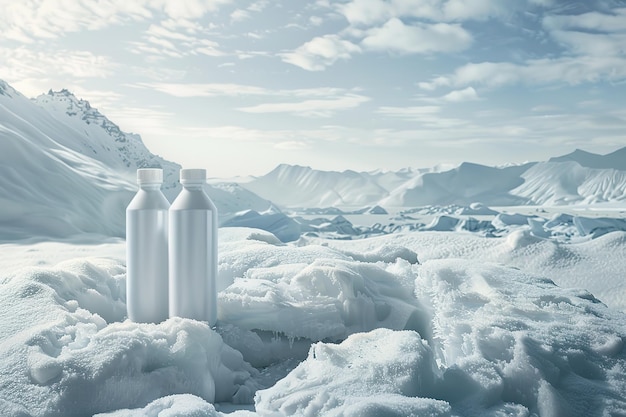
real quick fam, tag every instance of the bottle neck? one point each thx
(150, 187)
(192, 186)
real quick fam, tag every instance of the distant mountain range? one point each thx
(577, 178)
(67, 169)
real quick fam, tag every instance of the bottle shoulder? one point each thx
(193, 200)
(148, 200)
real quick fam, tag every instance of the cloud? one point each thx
(321, 52)
(44, 19)
(595, 44)
(592, 21)
(309, 102)
(426, 116)
(175, 39)
(310, 108)
(418, 38)
(409, 112)
(467, 94)
(292, 145)
(22, 63)
(203, 90)
(372, 12)
(569, 70)
(239, 15)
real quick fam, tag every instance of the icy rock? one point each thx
(504, 220)
(279, 224)
(597, 227)
(442, 224)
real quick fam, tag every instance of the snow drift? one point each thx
(377, 332)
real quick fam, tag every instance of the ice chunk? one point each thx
(598, 226)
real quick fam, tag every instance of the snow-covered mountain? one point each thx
(67, 169)
(578, 178)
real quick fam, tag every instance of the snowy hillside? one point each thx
(580, 177)
(97, 137)
(66, 169)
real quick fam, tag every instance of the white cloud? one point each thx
(366, 12)
(186, 9)
(459, 10)
(239, 15)
(259, 6)
(204, 90)
(310, 108)
(592, 21)
(310, 102)
(467, 94)
(595, 44)
(396, 36)
(26, 21)
(292, 145)
(371, 12)
(321, 52)
(409, 112)
(175, 39)
(23, 62)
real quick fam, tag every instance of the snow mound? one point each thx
(182, 405)
(377, 210)
(502, 343)
(476, 209)
(326, 299)
(67, 352)
(380, 373)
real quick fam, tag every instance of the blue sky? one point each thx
(238, 87)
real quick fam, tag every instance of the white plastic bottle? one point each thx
(146, 250)
(193, 251)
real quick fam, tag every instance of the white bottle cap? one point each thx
(192, 176)
(149, 176)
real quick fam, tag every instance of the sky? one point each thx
(238, 87)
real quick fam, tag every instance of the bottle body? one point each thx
(193, 254)
(147, 255)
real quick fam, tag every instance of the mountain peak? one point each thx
(614, 160)
(67, 100)
(7, 90)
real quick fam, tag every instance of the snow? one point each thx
(373, 330)
(447, 305)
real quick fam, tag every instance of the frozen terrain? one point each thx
(409, 293)
(322, 327)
